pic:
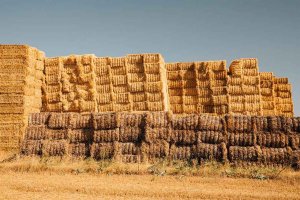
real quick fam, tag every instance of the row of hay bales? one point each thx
(138, 137)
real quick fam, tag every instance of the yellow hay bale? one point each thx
(219, 75)
(218, 83)
(211, 137)
(105, 121)
(204, 92)
(131, 158)
(102, 61)
(172, 67)
(119, 70)
(183, 136)
(103, 88)
(102, 70)
(276, 155)
(181, 152)
(153, 68)
(80, 135)
(121, 98)
(136, 77)
(31, 147)
(135, 68)
(205, 109)
(119, 80)
(220, 100)
(118, 107)
(102, 80)
(190, 100)
(189, 109)
(236, 68)
(249, 154)
(190, 91)
(78, 150)
(54, 147)
(283, 87)
(138, 96)
(175, 92)
(154, 97)
(284, 94)
(237, 107)
(266, 75)
(219, 91)
(104, 98)
(100, 136)
(176, 108)
(152, 58)
(203, 83)
(251, 80)
(210, 122)
(281, 80)
(153, 77)
(53, 97)
(153, 87)
(266, 91)
(276, 140)
(173, 84)
(234, 81)
(252, 107)
(155, 106)
(136, 87)
(139, 106)
(205, 100)
(52, 79)
(250, 90)
(250, 72)
(102, 150)
(211, 151)
(221, 109)
(120, 89)
(236, 90)
(153, 134)
(134, 58)
(176, 99)
(188, 74)
(266, 84)
(174, 75)
(268, 105)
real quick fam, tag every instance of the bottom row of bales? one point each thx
(149, 136)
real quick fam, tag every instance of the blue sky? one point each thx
(187, 30)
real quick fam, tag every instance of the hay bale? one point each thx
(272, 139)
(80, 121)
(80, 135)
(81, 150)
(211, 151)
(54, 147)
(210, 122)
(211, 137)
(295, 124)
(189, 122)
(35, 132)
(130, 158)
(59, 120)
(101, 136)
(242, 139)
(131, 134)
(249, 154)
(260, 123)
(131, 119)
(56, 134)
(103, 150)
(31, 147)
(239, 123)
(294, 141)
(183, 136)
(182, 152)
(276, 155)
(158, 119)
(38, 118)
(155, 149)
(103, 121)
(129, 148)
(152, 134)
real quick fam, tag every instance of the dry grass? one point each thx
(52, 178)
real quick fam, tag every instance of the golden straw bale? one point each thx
(37, 132)
(104, 98)
(190, 91)
(252, 107)
(235, 89)
(139, 106)
(218, 83)
(157, 119)
(80, 135)
(120, 107)
(121, 98)
(174, 75)
(176, 99)
(190, 109)
(121, 70)
(266, 84)
(183, 136)
(131, 119)
(235, 68)
(103, 89)
(174, 84)
(284, 94)
(79, 150)
(211, 151)
(134, 58)
(188, 74)
(281, 80)
(283, 87)
(119, 80)
(153, 134)
(31, 147)
(266, 75)
(276, 155)
(118, 61)
(203, 83)
(102, 80)
(102, 70)
(220, 109)
(189, 122)
(175, 92)
(153, 86)
(100, 136)
(38, 118)
(120, 89)
(172, 67)
(211, 137)
(53, 97)
(136, 77)
(136, 87)
(131, 158)
(190, 100)
(176, 108)
(242, 139)
(130, 134)
(249, 154)
(54, 147)
(153, 77)
(105, 121)
(181, 152)
(103, 150)
(234, 81)
(152, 68)
(210, 122)
(237, 107)
(59, 120)
(155, 106)
(220, 100)
(135, 68)
(250, 72)
(154, 97)
(219, 75)
(138, 96)
(219, 91)
(272, 139)
(152, 58)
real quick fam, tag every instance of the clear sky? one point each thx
(186, 30)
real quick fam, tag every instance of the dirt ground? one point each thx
(24, 185)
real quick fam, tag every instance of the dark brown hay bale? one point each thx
(279, 123)
(37, 132)
(104, 121)
(158, 119)
(294, 141)
(38, 118)
(131, 119)
(54, 147)
(80, 135)
(156, 149)
(129, 148)
(59, 120)
(182, 152)
(130, 158)
(239, 123)
(31, 147)
(81, 121)
(272, 139)
(260, 123)
(112, 135)
(295, 124)
(210, 122)
(183, 136)
(103, 150)
(189, 122)
(276, 155)
(56, 134)
(211, 151)
(248, 154)
(79, 150)
(152, 134)
(242, 139)
(211, 137)
(130, 134)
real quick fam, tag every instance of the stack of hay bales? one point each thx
(211, 141)
(21, 76)
(267, 93)
(283, 97)
(244, 87)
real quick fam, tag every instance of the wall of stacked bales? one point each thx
(21, 75)
(142, 137)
